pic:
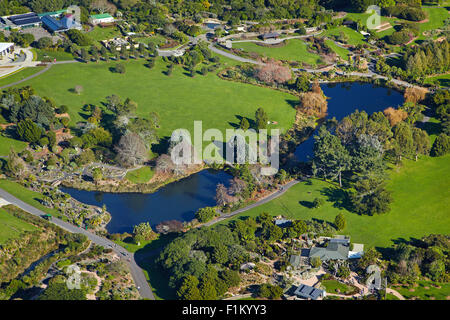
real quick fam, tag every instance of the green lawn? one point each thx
(421, 200)
(156, 39)
(179, 99)
(26, 195)
(19, 75)
(343, 53)
(443, 80)
(12, 227)
(426, 290)
(354, 37)
(334, 286)
(141, 175)
(7, 143)
(294, 50)
(99, 33)
(436, 17)
(58, 55)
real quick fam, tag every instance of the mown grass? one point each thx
(354, 37)
(53, 54)
(141, 175)
(294, 50)
(334, 286)
(7, 143)
(421, 192)
(99, 33)
(12, 227)
(443, 80)
(426, 290)
(19, 75)
(343, 53)
(179, 99)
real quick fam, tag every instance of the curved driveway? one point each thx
(138, 275)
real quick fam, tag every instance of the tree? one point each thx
(330, 156)
(343, 272)
(97, 174)
(44, 43)
(315, 262)
(340, 221)
(60, 291)
(273, 73)
(370, 197)
(244, 125)
(29, 131)
(261, 119)
(302, 84)
(404, 139)
(189, 289)
(222, 196)
(395, 115)
(131, 150)
(119, 68)
(269, 291)
(441, 145)
(143, 231)
(314, 104)
(205, 214)
(421, 141)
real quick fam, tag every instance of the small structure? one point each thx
(310, 293)
(247, 266)
(6, 48)
(295, 260)
(270, 35)
(104, 18)
(357, 251)
(54, 14)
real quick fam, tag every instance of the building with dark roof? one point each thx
(307, 292)
(337, 249)
(66, 23)
(27, 20)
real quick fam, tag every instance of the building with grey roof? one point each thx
(336, 250)
(307, 292)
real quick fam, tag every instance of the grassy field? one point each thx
(58, 55)
(179, 99)
(421, 201)
(294, 50)
(443, 80)
(334, 286)
(426, 291)
(354, 37)
(12, 227)
(7, 143)
(32, 198)
(141, 175)
(99, 33)
(21, 74)
(343, 53)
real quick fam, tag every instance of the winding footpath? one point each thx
(269, 198)
(137, 273)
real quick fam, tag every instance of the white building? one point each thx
(6, 48)
(101, 18)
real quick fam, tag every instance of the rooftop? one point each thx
(101, 16)
(308, 292)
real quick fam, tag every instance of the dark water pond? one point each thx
(176, 201)
(180, 200)
(346, 98)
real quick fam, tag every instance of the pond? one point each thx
(180, 200)
(176, 201)
(346, 97)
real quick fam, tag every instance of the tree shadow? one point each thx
(293, 103)
(338, 197)
(162, 146)
(307, 204)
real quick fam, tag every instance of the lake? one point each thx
(176, 201)
(346, 97)
(180, 200)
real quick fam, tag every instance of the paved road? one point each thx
(137, 273)
(269, 198)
